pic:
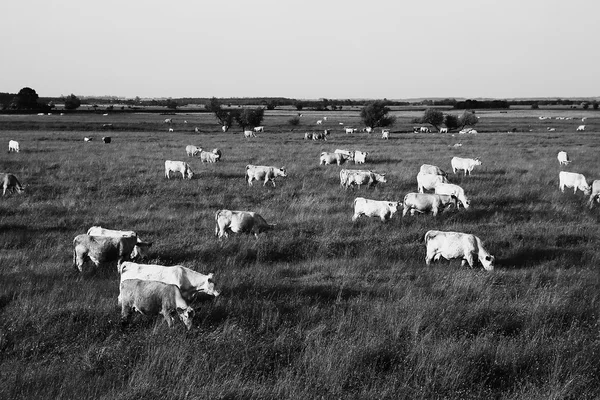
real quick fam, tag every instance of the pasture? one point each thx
(321, 307)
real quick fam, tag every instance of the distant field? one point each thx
(321, 307)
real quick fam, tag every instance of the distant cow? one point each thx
(351, 178)
(424, 129)
(581, 128)
(319, 122)
(428, 181)
(360, 157)
(153, 298)
(210, 156)
(196, 129)
(101, 250)
(178, 166)
(106, 139)
(374, 208)
(171, 130)
(451, 189)
(240, 222)
(432, 169)
(263, 173)
(140, 250)
(451, 245)
(329, 158)
(368, 129)
(319, 136)
(427, 203)
(595, 193)
(249, 134)
(192, 150)
(87, 139)
(563, 158)
(13, 145)
(259, 129)
(385, 133)
(416, 129)
(443, 130)
(573, 180)
(349, 130)
(308, 136)
(464, 164)
(107, 126)
(224, 128)
(169, 121)
(348, 153)
(11, 183)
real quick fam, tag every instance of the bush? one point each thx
(375, 114)
(294, 121)
(72, 102)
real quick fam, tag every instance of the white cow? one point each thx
(11, 183)
(385, 133)
(210, 156)
(167, 120)
(452, 189)
(192, 150)
(259, 129)
(432, 169)
(329, 158)
(87, 139)
(249, 134)
(595, 193)
(13, 145)
(451, 245)
(308, 135)
(140, 250)
(360, 157)
(573, 180)
(464, 164)
(443, 130)
(563, 158)
(240, 222)
(196, 129)
(368, 129)
(263, 173)
(374, 208)
(429, 181)
(424, 129)
(102, 249)
(320, 122)
(581, 128)
(153, 298)
(171, 130)
(351, 178)
(178, 166)
(349, 130)
(224, 128)
(348, 153)
(425, 202)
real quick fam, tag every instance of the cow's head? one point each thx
(141, 250)
(281, 172)
(488, 262)
(466, 204)
(393, 205)
(189, 173)
(186, 315)
(208, 288)
(380, 178)
(477, 161)
(587, 190)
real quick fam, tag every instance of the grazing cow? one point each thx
(319, 136)
(443, 130)
(308, 136)
(451, 189)
(425, 202)
(351, 178)
(106, 139)
(171, 130)
(320, 122)
(595, 193)
(196, 129)
(431, 169)
(367, 129)
(385, 133)
(348, 153)
(330, 158)
(424, 129)
(429, 181)
(451, 245)
(574, 180)
(140, 250)
(563, 158)
(105, 115)
(210, 157)
(465, 164)
(107, 126)
(87, 139)
(240, 222)
(581, 128)
(583, 119)
(178, 166)
(326, 132)
(102, 249)
(169, 121)
(259, 129)
(360, 157)
(11, 183)
(192, 150)
(153, 298)
(324, 118)
(190, 283)
(13, 145)
(551, 129)
(249, 134)
(349, 130)
(263, 173)
(374, 208)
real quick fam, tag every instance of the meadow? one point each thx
(319, 308)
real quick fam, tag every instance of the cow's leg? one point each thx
(429, 256)
(125, 315)
(434, 211)
(168, 317)
(405, 211)
(469, 259)
(355, 216)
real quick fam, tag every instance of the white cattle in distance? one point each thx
(319, 136)
(563, 158)
(240, 222)
(192, 150)
(153, 298)
(452, 189)
(374, 208)
(329, 158)
(87, 139)
(192, 284)
(443, 130)
(224, 128)
(595, 193)
(464, 164)
(259, 129)
(583, 119)
(360, 157)
(263, 173)
(581, 128)
(102, 250)
(432, 169)
(427, 203)
(429, 181)
(348, 153)
(210, 156)
(324, 118)
(249, 134)
(352, 177)
(385, 133)
(171, 130)
(140, 250)
(308, 135)
(320, 122)
(424, 129)
(196, 129)
(349, 130)
(13, 145)
(573, 180)
(178, 166)
(449, 245)
(368, 129)
(168, 120)
(11, 183)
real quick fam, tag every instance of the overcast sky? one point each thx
(302, 49)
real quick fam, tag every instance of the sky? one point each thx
(395, 49)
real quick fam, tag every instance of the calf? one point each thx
(563, 158)
(192, 150)
(13, 145)
(360, 157)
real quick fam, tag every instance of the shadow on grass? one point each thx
(529, 258)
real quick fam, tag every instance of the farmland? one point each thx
(320, 307)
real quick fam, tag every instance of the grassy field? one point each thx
(321, 307)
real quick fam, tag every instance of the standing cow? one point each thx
(263, 173)
(329, 158)
(192, 150)
(464, 164)
(374, 208)
(429, 181)
(102, 250)
(425, 203)
(240, 222)
(178, 166)
(452, 189)
(563, 158)
(13, 145)
(451, 245)
(573, 180)
(351, 178)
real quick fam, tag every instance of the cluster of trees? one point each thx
(436, 118)
(475, 104)
(244, 117)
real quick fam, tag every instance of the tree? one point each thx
(26, 99)
(250, 117)
(294, 121)
(375, 114)
(172, 104)
(433, 117)
(72, 102)
(272, 104)
(299, 106)
(468, 119)
(451, 122)
(225, 117)
(595, 105)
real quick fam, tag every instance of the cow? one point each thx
(140, 250)
(169, 121)
(11, 183)
(209, 157)
(443, 130)
(595, 195)
(330, 158)
(374, 208)
(465, 164)
(249, 134)
(428, 181)
(102, 250)
(425, 202)
(451, 245)
(324, 118)
(106, 139)
(351, 178)
(326, 132)
(218, 152)
(308, 136)
(224, 128)
(432, 169)
(319, 136)
(178, 166)
(349, 130)
(451, 189)
(263, 173)
(583, 119)
(348, 153)
(320, 122)
(192, 150)
(424, 129)
(191, 283)
(171, 130)
(87, 139)
(368, 129)
(240, 222)
(196, 129)
(153, 298)
(385, 133)
(574, 180)
(360, 157)
(259, 129)
(13, 145)
(563, 158)
(581, 128)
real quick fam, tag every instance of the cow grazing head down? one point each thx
(488, 262)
